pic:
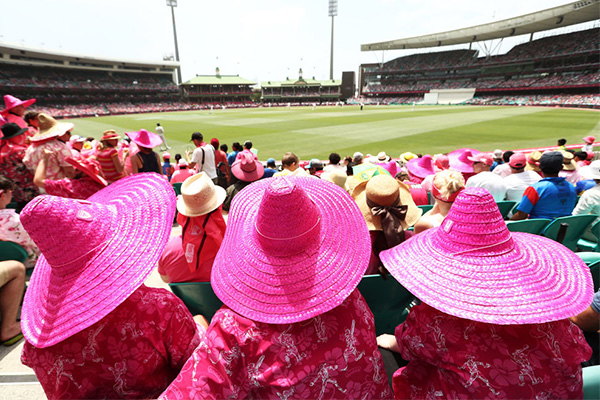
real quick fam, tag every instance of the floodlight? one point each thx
(172, 3)
(333, 8)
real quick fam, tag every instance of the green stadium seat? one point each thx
(198, 297)
(12, 251)
(591, 382)
(505, 207)
(588, 245)
(426, 208)
(387, 299)
(595, 270)
(534, 226)
(577, 226)
(177, 188)
(589, 257)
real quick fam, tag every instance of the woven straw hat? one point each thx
(110, 253)
(421, 167)
(110, 134)
(295, 248)
(49, 128)
(336, 176)
(383, 190)
(247, 168)
(11, 102)
(459, 160)
(199, 196)
(144, 138)
(472, 267)
(568, 161)
(533, 161)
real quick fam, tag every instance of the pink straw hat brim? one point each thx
(58, 306)
(57, 130)
(24, 103)
(267, 287)
(541, 281)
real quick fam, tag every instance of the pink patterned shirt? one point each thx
(81, 188)
(456, 358)
(56, 162)
(331, 356)
(11, 230)
(134, 352)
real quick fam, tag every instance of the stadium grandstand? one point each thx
(301, 91)
(219, 90)
(68, 85)
(561, 70)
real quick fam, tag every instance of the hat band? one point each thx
(291, 237)
(450, 199)
(390, 220)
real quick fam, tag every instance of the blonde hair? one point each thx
(448, 182)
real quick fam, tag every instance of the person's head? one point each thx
(214, 142)
(247, 145)
(562, 142)
(581, 156)
(182, 164)
(197, 138)
(447, 184)
(110, 138)
(30, 118)
(498, 155)
(236, 146)
(15, 105)
(6, 190)
(506, 155)
(158, 124)
(224, 147)
(77, 142)
(347, 160)
(402, 176)
(314, 166)
(177, 157)
(481, 162)
(12, 133)
(357, 158)
(65, 136)
(551, 163)
(334, 159)
(517, 163)
(290, 161)
(271, 163)
(166, 157)
(247, 168)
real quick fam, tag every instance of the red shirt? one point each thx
(451, 357)
(133, 352)
(331, 356)
(172, 263)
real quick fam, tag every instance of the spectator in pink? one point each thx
(446, 186)
(189, 257)
(182, 173)
(293, 323)
(417, 190)
(107, 335)
(419, 168)
(47, 139)
(12, 166)
(569, 169)
(14, 110)
(459, 161)
(224, 176)
(493, 322)
(112, 166)
(146, 160)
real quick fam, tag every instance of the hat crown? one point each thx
(288, 221)
(46, 121)
(54, 221)
(382, 190)
(474, 227)
(247, 161)
(197, 191)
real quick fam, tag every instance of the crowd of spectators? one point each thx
(592, 100)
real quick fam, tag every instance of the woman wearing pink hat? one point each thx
(146, 160)
(14, 110)
(293, 324)
(446, 186)
(494, 318)
(111, 164)
(93, 329)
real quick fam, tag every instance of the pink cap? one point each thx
(518, 160)
(484, 158)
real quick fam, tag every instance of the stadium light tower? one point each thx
(173, 4)
(333, 12)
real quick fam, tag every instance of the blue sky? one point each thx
(259, 40)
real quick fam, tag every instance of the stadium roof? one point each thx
(218, 80)
(301, 82)
(551, 18)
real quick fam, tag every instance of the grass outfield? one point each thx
(393, 129)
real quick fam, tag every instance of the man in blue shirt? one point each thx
(551, 197)
(236, 147)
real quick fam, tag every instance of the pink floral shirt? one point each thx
(56, 162)
(331, 356)
(457, 358)
(134, 352)
(11, 230)
(81, 188)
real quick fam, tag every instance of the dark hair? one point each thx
(197, 136)
(562, 142)
(289, 158)
(334, 158)
(506, 155)
(236, 146)
(177, 157)
(224, 147)
(6, 183)
(30, 115)
(248, 144)
(582, 155)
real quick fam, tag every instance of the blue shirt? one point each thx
(584, 185)
(231, 157)
(269, 172)
(549, 198)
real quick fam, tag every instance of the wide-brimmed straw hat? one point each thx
(295, 248)
(459, 160)
(88, 170)
(199, 196)
(568, 161)
(385, 191)
(421, 167)
(247, 168)
(533, 161)
(114, 240)
(472, 267)
(50, 128)
(144, 138)
(110, 134)
(336, 176)
(383, 157)
(11, 102)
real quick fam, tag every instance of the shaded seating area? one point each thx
(534, 226)
(12, 251)
(577, 224)
(198, 297)
(588, 245)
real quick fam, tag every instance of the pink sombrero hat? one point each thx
(247, 168)
(459, 160)
(88, 170)
(11, 102)
(421, 167)
(295, 248)
(472, 267)
(144, 138)
(110, 253)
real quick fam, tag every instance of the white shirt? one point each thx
(160, 130)
(492, 182)
(517, 183)
(209, 160)
(589, 203)
(503, 170)
(331, 167)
